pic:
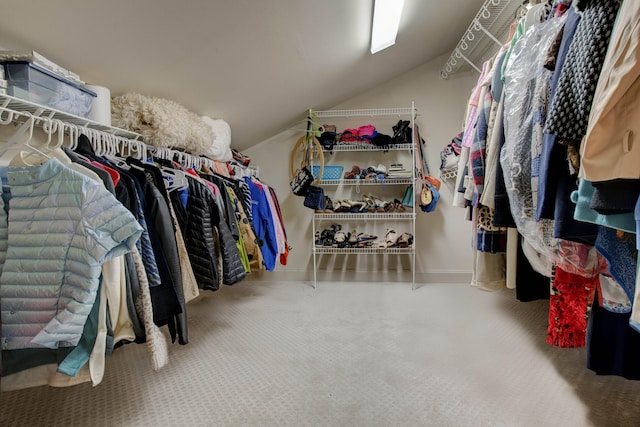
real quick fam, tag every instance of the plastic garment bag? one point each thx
(526, 94)
(525, 107)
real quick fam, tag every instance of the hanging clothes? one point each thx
(168, 306)
(610, 150)
(201, 222)
(569, 113)
(106, 229)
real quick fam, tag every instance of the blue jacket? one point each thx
(264, 226)
(61, 228)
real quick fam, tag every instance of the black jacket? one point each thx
(197, 223)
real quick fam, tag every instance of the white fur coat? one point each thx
(165, 123)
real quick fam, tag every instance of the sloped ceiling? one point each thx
(258, 64)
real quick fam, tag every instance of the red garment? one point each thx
(569, 305)
(115, 175)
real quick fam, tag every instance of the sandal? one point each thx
(365, 240)
(353, 239)
(341, 206)
(390, 239)
(382, 206)
(399, 207)
(325, 238)
(373, 205)
(328, 204)
(356, 206)
(341, 238)
(405, 240)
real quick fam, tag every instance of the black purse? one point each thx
(301, 182)
(314, 198)
(402, 132)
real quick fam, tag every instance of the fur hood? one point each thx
(165, 123)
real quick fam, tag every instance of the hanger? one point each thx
(9, 118)
(93, 140)
(15, 142)
(51, 126)
(26, 126)
(74, 133)
(174, 179)
(143, 149)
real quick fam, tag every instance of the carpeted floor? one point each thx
(346, 354)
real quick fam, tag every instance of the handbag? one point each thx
(301, 181)
(402, 132)
(429, 197)
(408, 199)
(314, 198)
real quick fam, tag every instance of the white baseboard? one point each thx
(361, 276)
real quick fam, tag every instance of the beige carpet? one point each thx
(346, 354)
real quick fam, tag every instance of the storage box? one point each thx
(329, 172)
(41, 86)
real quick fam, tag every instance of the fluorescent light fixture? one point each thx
(386, 18)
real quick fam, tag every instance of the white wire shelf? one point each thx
(374, 112)
(386, 181)
(482, 38)
(368, 147)
(10, 104)
(383, 219)
(363, 216)
(362, 251)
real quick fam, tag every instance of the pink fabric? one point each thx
(467, 139)
(366, 131)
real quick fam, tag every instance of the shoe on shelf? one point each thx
(355, 172)
(341, 239)
(404, 240)
(365, 238)
(390, 239)
(341, 206)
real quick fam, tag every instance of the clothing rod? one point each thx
(105, 139)
(492, 21)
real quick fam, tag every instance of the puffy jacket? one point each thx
(48, 285)
(197, 225)
(233, 270)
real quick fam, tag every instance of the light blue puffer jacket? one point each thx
(61, 227)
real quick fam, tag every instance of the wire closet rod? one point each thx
(105, 140)
(481, 38)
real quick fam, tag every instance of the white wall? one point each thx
(442, 237)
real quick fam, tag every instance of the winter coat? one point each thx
(611, 148)
(233, 270)
(197, 222)
(61, 227)
(168, 299)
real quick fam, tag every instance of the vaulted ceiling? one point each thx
(258, 64)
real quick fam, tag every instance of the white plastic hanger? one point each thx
(15, 142)
(9, 118)
(52, 126)
(74, 133)
(27, 126)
